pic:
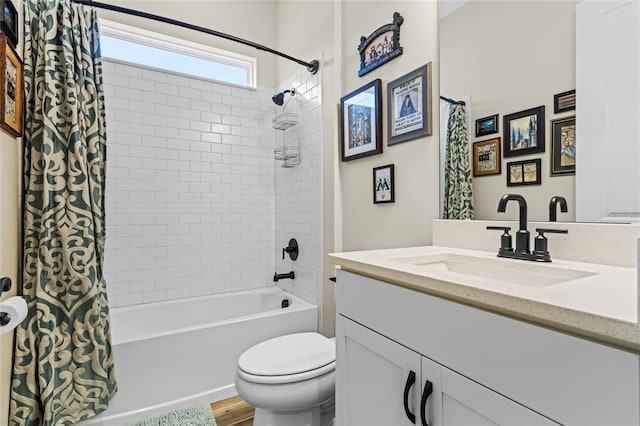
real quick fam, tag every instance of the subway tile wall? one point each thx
(298, 190)
(190, 201)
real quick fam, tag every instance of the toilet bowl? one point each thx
(290, 380)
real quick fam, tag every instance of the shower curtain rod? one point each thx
(312, 66)
(451, 101)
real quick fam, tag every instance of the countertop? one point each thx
(602, 307)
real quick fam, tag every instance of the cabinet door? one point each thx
(374, 378)
(465, 402)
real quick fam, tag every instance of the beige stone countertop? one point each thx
(601, 304)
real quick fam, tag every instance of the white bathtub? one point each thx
(178, 353)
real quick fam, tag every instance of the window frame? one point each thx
(181, 46)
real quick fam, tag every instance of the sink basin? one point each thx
(509, 271)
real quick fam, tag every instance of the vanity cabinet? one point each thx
(380, 382)
(483, 368)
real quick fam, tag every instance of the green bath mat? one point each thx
(198, 415)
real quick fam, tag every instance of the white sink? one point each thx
(510, 271)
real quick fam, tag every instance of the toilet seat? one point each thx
(288, 359)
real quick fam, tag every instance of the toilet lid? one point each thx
(288, 355)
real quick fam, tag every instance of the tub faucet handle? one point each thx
(292, 249)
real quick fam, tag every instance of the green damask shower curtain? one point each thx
(63, 368)
(457, 186)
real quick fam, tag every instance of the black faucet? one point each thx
(540, 253)
(522, 236)
(278, 277)
(555, 200)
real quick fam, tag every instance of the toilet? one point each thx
(290, 380)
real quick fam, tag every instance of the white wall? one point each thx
(406, 222)
(190, 187)
(318, 38)
(298, 190)
(509, 57)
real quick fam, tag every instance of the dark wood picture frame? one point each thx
(563, 146)
(11, 93)
(409, 106)
(9, 21)
(565, 101)
(527, 172)
(361, 122)
(524, 132)
(487, 125)
(487, 158)
(383, 184)
(381, 46)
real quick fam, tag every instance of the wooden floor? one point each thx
(233, 412)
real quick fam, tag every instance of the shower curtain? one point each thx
(457, 191)
(63, 368)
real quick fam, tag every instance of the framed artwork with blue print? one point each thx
(9, 22)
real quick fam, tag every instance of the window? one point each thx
(130, 44)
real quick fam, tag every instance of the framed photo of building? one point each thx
(409, 106)
(11, 93)
(383, 191)
(487, 157)
(523, 132)
(563, 146)
(361, 122)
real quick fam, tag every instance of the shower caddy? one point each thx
(288, 153)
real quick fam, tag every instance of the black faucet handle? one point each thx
(292, 249)
(541, 231)
(499, 228)
(505, 239)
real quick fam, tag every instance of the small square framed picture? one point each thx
(487, 125)
(524, 172)
(383, 184)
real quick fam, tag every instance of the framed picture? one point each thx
(409, 106)
(523, 132)
(383, 184)
(487, 125)
(524, 172)
(487, 157)
(565, 101)
(563, 146)
(9, 22)
(11, 95)
(381, 46)
(361, 122)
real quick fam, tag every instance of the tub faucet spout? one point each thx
(522, 236)
(278, 277)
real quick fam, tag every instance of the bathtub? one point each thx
(178, 353)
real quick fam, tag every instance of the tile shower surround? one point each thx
(191, 192)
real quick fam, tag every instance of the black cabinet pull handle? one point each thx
(411, 379)
(428, 389)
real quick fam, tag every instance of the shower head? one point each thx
(278, 98)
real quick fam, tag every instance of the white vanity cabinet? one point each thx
(382, 383)
(483, 368)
